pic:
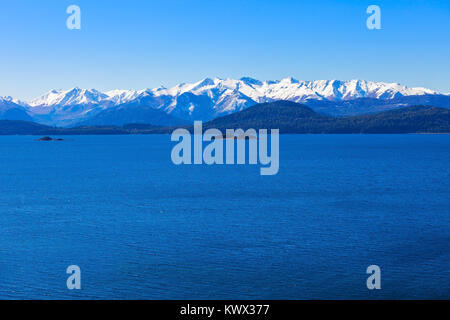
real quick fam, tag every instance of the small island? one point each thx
(49, 139)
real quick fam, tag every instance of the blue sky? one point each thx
(135, 44)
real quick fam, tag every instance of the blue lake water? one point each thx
(140, 227)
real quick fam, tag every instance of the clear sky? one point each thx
(135, 44)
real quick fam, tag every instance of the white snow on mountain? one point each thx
(6, 99)
(70, 97)
(11, 100)
(124, 96)
(218, 89)
(208, 98)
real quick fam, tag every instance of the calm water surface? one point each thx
(142, 228)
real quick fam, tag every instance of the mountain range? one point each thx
(212, 98)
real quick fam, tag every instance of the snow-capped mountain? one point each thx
(11, 100)
(11, 109)
(291, 89)
(210, 98)
(73, 96)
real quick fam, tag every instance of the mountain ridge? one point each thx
(210, 98)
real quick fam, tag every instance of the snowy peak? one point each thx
(6, 100)
(69, 97)
(123, 96)
(291, 89)
(258, 91)
(11, 101)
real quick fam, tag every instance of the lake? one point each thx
(140, 227)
